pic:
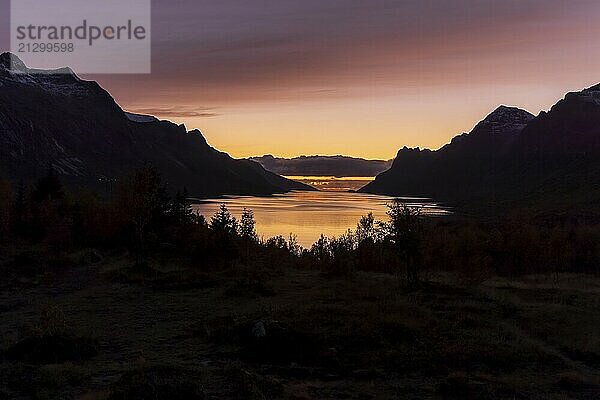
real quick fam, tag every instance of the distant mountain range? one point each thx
(338, 166)
(511, 158)
(74, 126)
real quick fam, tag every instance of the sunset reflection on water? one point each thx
(332, 183)
(310, 214)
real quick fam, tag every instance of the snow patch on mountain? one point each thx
(61, 81)
(507, 120)
(141, 118)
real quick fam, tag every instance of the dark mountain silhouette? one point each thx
(339, 166)
(570, 128)
(510, 158)
(59, 120)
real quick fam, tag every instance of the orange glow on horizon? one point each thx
(364, 83)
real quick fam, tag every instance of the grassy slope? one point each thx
(360, 337)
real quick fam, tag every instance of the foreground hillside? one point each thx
(74, 126)
(511, 159)
(300, 335)
(139, 298)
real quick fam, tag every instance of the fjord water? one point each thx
(333, 183)
(309, 214)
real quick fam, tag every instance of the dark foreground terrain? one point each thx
(105, 330)
(137, 297)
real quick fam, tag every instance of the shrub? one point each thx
(51, 342)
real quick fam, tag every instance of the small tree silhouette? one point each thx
(405, 230)
(144, 202)
(247, 232)
(247, 225)
(321, 251)
(366, 229)
(181, 209)
(223, 223)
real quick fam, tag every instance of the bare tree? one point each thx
(144, 202)
(405, 230)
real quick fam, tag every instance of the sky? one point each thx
(355, 77)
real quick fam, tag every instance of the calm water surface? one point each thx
(333, 183)
(309, 214)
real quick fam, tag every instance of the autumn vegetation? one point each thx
(143, 220)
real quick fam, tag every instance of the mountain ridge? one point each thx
(317, 165)
(77, 128)
(513, 160)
